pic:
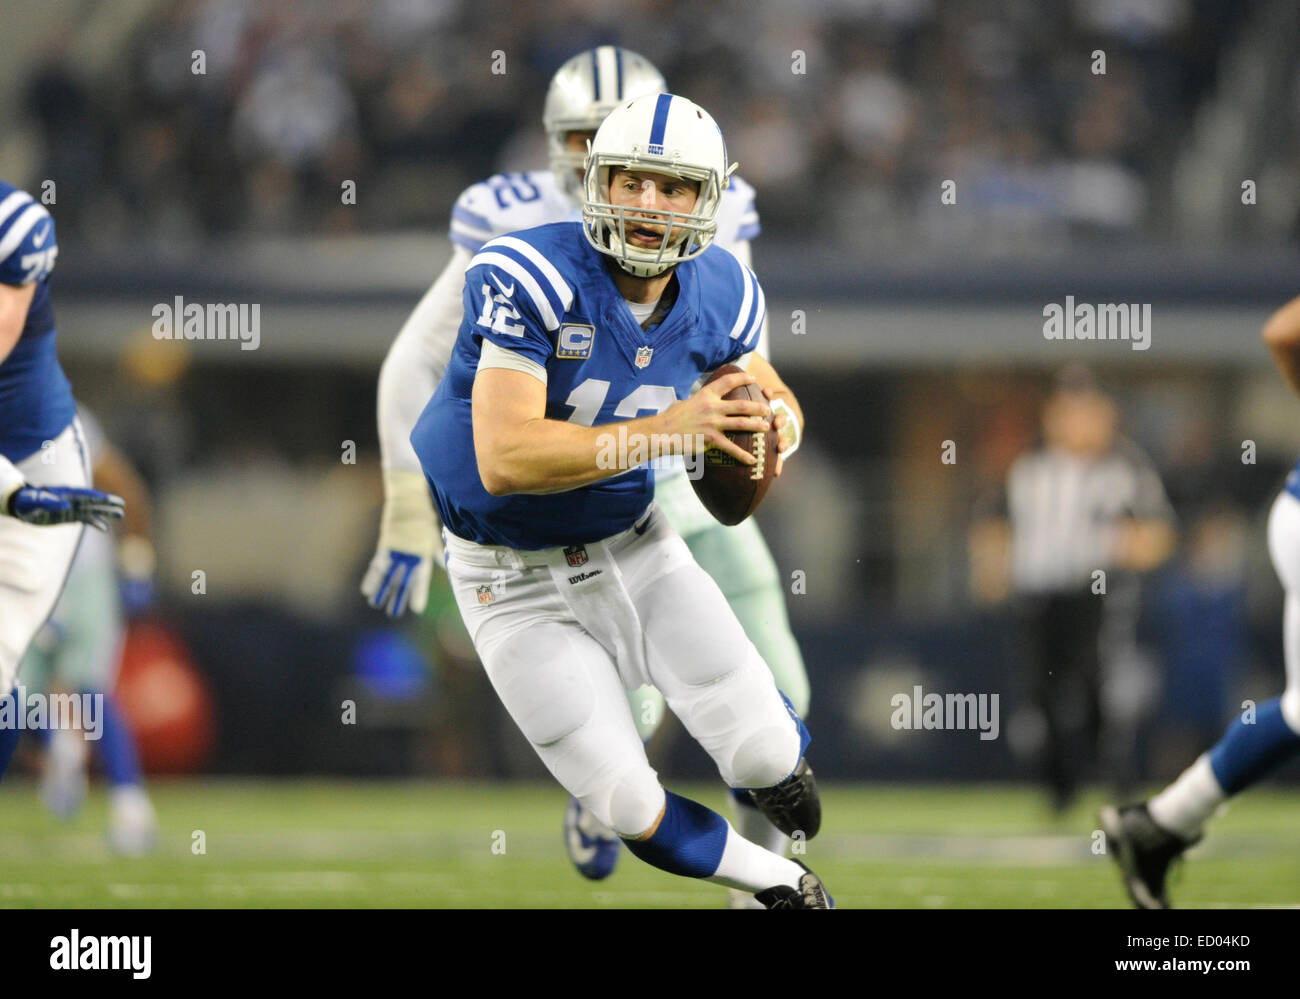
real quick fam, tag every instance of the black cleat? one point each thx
(793, 805)
(811, 894)
(1143, 851)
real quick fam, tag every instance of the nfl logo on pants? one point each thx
(485, 594)
(576, 556)
(643, 356)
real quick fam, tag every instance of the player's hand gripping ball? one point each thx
(728, 488)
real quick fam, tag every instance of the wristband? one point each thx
(790, 432)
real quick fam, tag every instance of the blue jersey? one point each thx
(547, 295)
(36, 402)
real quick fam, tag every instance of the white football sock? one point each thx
(1184, 805)
(754, 826)
(749, 867)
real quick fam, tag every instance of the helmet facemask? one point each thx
(686, 234)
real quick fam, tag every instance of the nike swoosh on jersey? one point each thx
(505, 291)
(39, 241)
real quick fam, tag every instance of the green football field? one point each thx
(369, 843)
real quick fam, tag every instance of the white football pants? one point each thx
(564, 633)
(1284, 548)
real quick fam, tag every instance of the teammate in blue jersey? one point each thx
(582, 92)
(1147, 837)
(44, 476)
(573, 586)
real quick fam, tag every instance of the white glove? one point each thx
(410, 541)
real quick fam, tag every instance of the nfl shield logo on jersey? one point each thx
(643, 356)
(485, 594)
(576, 556)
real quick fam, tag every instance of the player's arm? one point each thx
(409, 533)
(519, 450)
(14, 302)
(1282, 335)
(417, 360)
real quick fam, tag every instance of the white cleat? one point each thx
(63, 781)
(132, 825)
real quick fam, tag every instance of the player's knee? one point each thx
(635, 802)
(765, 757)
(1291, 708)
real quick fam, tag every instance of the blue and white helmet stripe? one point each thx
(660, 125)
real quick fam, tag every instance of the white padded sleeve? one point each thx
(498, 357)
(417, 360)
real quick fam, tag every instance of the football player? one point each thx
(1147, 837)
(574, 587)
(582, 92)
(45, 499)
(80, 649)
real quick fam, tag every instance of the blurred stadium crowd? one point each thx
(845, 114)
(239, 168)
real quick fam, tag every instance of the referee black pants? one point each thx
(1060, 635)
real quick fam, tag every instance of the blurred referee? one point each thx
(1084, 502)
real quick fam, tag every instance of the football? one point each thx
(729, 489)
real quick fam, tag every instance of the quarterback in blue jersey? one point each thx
(1145, 838)
(574, 588)
(44, 477)
(581, 94)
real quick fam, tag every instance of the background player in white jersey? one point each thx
(44, 473)
(573, 587)
(80, 650)
(1147, 837)
(582, 92)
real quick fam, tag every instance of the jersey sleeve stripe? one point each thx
(23, 222)
(760, 310)
(12, 203)
(469, 242)
(547, 268)
(470, 219)
(745, 302)
(521, 274)
(482, 235)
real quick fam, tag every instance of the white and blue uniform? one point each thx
(574, 598)
(546, 295)
(39, 433)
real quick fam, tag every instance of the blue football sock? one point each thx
(9, 733)
(689, 841)
(1247, 752)
(116, 744)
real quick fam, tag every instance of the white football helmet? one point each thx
(582, 92)
(661, 133)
